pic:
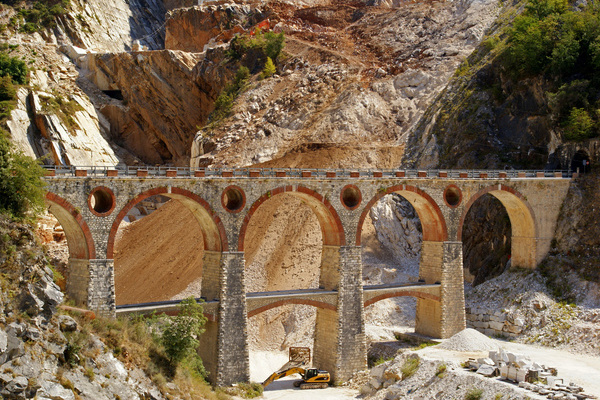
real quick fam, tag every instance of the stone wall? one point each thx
(493, 324)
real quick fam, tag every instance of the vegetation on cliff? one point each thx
(21, 186)
(530, 87)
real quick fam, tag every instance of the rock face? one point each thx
(191, 29)
(113, 25)
(38, 348)
(353, 77)
(166, 94)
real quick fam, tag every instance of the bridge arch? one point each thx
(412, 293)
(522, 219)
(215, 238)
(279, 303)
(432, 220)
(329, 220)
(79, 238)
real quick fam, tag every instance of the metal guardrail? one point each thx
(186, 172)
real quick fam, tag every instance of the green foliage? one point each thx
(262, 45)
(21, 185)
(245, 390)
(180, 333)
(42, 14)
(7, 89)
(63, 108)
(561, 44)
(410, 366)
(441, 370)
(269, 69)
(224, 102)
(13, 67)
(579, 125)
(474, 394)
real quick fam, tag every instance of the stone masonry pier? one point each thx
(90, 203)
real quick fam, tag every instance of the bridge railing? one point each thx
(186, 172)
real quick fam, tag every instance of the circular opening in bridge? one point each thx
(452, 196)
(101, 201)
(351, 197)
(233, 199)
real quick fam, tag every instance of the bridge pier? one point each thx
(442, 262)
(91, 284)
(340, 342)
(233, 358)
(453, 319)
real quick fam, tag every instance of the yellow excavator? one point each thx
(312, 378)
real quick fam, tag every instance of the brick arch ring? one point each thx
(432, 220)
(329, 220)
(279, 303)
(522, 225)
(411, 293)
(215, 240)
(82, 245)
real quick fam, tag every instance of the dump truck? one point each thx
(299, 359)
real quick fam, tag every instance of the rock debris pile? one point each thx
(39, 357)
(529, 375)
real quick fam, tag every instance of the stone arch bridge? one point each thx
(91, 202)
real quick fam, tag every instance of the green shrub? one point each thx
(269, 69)
(13, 67)
(7, 89)
(180, 333)
(410, 366)
(474, 394)
(42, 14)
(21, 185)
(579, 125)
(441, 370)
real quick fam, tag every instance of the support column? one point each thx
(207, 349)
(211, 267)
(233, 359)
(101, 287)
(340, 342)
(453, 293)
(429, 312)
(78, 280)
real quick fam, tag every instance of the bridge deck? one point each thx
(258, 300)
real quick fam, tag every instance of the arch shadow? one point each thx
(79, 238)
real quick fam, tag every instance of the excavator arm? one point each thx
(283, 373)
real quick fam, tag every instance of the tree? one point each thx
(180, 334)
(13, 67)
(269, 69)
(21, 186)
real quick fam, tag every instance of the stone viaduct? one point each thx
(91, 202)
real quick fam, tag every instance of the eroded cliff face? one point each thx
(191, 29)
(162, 101)
(355, 75)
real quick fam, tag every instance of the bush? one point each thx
(13, 67)
(7, 89)
(42, 14)
(474, 394)
(180, 334)
(410, 366)
(579, 125)
(269, 69)
(21, 186)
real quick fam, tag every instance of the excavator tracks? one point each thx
(314, 385)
